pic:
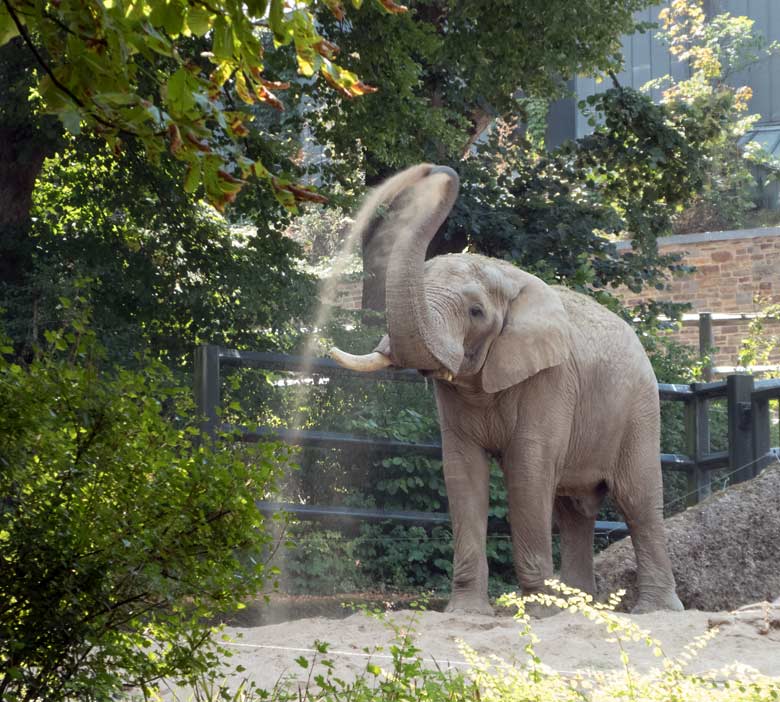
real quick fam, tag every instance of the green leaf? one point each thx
(173, 17)
(192, 177)
(222, 41)
(71, 120)
(8, 28)
(257, 8)
(180, 91)
(155, 40)
(279, 26)
(199, 20)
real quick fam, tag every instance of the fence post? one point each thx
(761, 434)
(697, 431)
(206, 385)
(739, 389)
(706, 344)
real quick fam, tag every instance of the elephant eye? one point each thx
(476, 311)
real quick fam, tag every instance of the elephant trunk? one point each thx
(416, 329)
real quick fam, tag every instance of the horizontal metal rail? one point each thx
(674, 391)
(342, 514)
(766, 390)
(329, 439)
(713, 461)
(314, 366)
(676, 461)
(368, 444)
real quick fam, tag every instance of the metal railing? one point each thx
(748, 429)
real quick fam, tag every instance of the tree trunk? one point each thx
(26, 139)
(21, 160)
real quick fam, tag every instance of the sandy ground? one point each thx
(568, 642)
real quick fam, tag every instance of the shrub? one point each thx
(120, 528)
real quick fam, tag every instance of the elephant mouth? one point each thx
(439, 374)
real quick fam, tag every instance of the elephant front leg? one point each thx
(466, 475)
(530, 486)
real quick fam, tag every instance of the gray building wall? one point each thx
(646, 58)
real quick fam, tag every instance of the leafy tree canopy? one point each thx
(166, 71)
(446, 69)
(162, 271)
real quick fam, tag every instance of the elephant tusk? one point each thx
(363, 364)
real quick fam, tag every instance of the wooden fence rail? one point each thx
(748, 425)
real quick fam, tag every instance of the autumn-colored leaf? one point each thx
(224, 175)
(199, 145)
(390, 6)
(349, 89)
(236, 125)
(265, 95)
(275, 84)
(361, 88)
(175, 138)
(242, 90)
(336, 8)
(301, 193)
(326, 48)
(336, 85)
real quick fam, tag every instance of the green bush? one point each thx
(120, 528)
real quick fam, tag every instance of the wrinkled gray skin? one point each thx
(551, 383)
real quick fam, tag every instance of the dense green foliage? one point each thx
(119, 530)
(445, 69)
(559, 213)
(168, 73)
(163, 271)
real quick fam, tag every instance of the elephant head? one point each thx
(456, 316)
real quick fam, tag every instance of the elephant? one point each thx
(547, 381)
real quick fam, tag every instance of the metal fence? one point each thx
(749, 424)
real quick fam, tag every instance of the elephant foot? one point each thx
(469, 604)
(653, 602)
(535, 610)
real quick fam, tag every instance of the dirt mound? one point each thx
(725, 551)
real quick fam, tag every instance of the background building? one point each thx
(647, 58)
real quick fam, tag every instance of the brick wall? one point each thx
(349, 294)
(732, 270)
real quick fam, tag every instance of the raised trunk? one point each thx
(416, 330)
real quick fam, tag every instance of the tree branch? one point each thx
(49, 72)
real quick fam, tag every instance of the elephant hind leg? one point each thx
(638, 492)
(575, 519)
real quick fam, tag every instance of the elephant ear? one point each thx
(536, 335)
